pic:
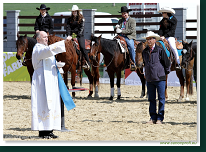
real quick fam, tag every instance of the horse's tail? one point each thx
(191, 86)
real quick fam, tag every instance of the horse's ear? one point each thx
(25, 35)
(18, 35)
(54, 34)
(191, 43)
(48, 33)
(183, 42)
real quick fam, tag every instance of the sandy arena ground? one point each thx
(101, 119)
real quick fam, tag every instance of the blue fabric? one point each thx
(167, 52)
(67, 99)
(151, 90)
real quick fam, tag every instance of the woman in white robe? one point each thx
(45, 116)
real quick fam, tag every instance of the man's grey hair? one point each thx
(38, 35)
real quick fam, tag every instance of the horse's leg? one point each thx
(189, 80)
(73, 74)
(118, 83)
(166, 96)
(90, 77)
(96, 81)
(182, 81)
(111, 77)
(30, 69)
(141, 76)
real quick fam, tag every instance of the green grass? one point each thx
(29, 9)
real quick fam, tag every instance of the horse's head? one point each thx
(96, 47)
(53, 39)
(187, 53)
(21, 45)
(139, 60)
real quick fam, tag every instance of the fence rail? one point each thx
(101, 24)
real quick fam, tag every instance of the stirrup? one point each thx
(132, 67)
(86, 66)
(178, 67)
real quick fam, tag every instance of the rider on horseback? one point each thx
(167, 30)
(126, 28)
(75, 24)
(44, 21)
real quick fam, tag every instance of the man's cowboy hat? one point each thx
(152, 34)
(75, 8)
(125, 9)
(167, 10)
(43, 6)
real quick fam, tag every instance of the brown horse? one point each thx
(25, 45)
(70, 57)
(139, 62)
(114, 60)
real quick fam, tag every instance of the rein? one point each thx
(101, 62)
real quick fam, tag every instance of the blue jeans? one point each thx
(130, 46)
(151, 89)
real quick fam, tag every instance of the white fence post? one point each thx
(12, 29)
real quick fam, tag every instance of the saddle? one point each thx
(179, 45)
(123, 42)
(87, 44)
(123, 46)
(81, 59)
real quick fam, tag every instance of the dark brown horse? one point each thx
(114, 60)
(139, 62)
(188, 56)
(70, 57)
(25, 45)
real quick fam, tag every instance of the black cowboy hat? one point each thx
(125, 9)
(43, 6)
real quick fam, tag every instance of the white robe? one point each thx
(42, 117)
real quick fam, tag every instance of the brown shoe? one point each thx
(151, 121)
(159, 122)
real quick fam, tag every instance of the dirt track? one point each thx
(102, 119)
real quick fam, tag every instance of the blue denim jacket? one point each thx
(157, 64)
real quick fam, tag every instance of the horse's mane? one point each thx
(109, 45)
(32, 41)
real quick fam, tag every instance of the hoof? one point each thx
(187, 99)
(89, 96)
(96, 95)
(142, 95)
(180, 99)
(118, 97)
(111, 98)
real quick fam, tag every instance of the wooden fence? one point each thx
(101, 24)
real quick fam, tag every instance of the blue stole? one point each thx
(67, 99)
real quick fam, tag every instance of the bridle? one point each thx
(98, 63)
(188, 60)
